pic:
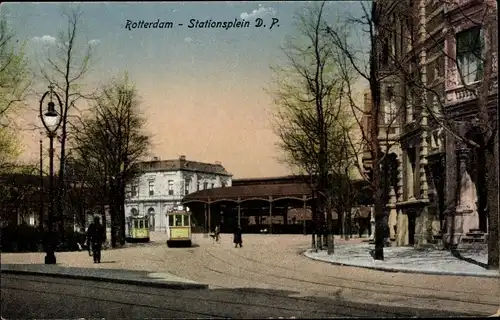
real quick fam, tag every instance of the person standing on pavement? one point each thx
(95, 237)
(238, 241)
(217, 234)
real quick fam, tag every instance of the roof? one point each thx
(182, 164)
(269, 180)
(245, 192)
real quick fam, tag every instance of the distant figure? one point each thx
(95, 237)
(217, 234)
(238, 241)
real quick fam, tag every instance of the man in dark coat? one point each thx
(238, 241)
(96, 235)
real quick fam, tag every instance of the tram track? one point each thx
(364, 282)
(338, 300)
(148, 293)
(84, 296)
(293, 291)
(397, 295)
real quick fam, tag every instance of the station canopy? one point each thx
(265, 192)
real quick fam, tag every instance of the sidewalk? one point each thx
(410, 260)
(138, 278)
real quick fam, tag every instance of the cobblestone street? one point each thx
(276, 262)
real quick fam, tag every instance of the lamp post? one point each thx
(51, 120)
(42, 193)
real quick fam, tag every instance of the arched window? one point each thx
(134, 212)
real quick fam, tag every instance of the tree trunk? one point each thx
(376, 184)
(493, 213)
(122, 211)
(314, 222)
(329, 219)
(114, 218)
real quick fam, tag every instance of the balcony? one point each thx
(460, 94)
(451, 5)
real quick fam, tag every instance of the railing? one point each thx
(451, 5)
(466, 93)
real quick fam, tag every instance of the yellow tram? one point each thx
(138, 230)
(179, 228)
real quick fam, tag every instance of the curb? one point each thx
(151, 284)
(396, 270)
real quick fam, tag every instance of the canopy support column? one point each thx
(239, 212)
(304, 200)
(270, 214)
(205, 224)
(209, 217)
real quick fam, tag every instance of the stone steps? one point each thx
(474, 238)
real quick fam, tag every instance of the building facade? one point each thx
(432, 58)
(163, 184)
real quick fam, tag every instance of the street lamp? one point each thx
(51, 119)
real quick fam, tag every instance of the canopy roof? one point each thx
(270, 192)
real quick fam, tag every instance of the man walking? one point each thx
(95, 237)
(238, 241)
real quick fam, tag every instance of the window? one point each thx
(390, 107)
(178, 221)
(385, 53)
(151, 188)
(390, 112)
(186, 221)
(469, 54)
(198, 186)
(170, 187)
(223, 184)
(205, 185)
(134, 191)
(186, 187)
(213, 185)
(171, 221)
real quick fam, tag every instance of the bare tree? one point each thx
(311, 118)
(353, 60)
(65, 67)
(110, 142)
(14, 84)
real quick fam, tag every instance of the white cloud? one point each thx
(258, 13)
(94, 42)
(45, 39)
(188, 39)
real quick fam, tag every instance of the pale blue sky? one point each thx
(220, 73)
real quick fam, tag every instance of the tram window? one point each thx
(136, 224)
(186, 221)
(146, 224)
(141, 224)
(171, 221)
(178, 221)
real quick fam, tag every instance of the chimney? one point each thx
(182, 157)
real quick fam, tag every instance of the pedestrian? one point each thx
(95, 237)
(238, 241)
(217, 234)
